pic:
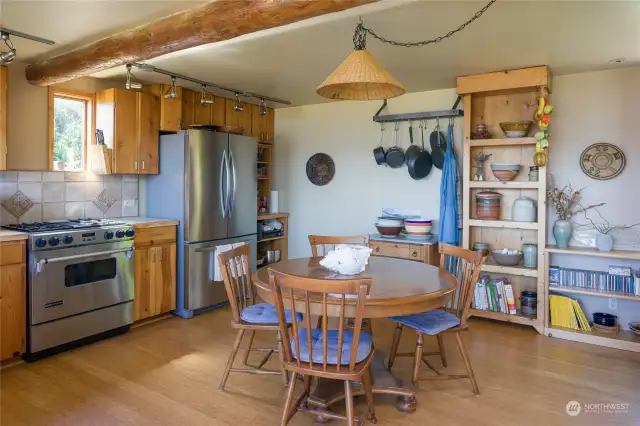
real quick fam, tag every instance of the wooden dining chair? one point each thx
(247, 315)
(332, 354)
(321, 244)
(465, 266)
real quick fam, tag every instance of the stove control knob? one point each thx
(67, 239)
(129, 233)
(41, 242)
(108, 235)
(119, 234)
(54, 241)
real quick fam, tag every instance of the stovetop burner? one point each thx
(61, 225)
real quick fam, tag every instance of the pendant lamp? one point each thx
(360, 76)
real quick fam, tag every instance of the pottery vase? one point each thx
(604, 242)
(562, 231)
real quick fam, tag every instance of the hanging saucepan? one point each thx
(378, 153)
(395, 154)
(413, 150)
(420, 165)
(438, 146)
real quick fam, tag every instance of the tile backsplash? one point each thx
(38, 196)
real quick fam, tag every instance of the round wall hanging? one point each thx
(602, 161)
(320, 169)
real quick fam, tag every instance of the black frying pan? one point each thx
(378, 153)
(413, 150)
(420, 165)
(395, 154)
(438, 145)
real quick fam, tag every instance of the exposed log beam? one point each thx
(210, 23)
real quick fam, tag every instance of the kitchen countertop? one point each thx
(7, 235)
(429, 241)
(147, 222)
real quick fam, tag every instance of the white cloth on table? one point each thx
(215, 268)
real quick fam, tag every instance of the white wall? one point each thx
(352, 201)
(591, 107)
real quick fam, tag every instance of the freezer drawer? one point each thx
(201, 288)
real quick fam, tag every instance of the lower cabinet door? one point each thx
(144, 269)
(13, 311)
(164, 284)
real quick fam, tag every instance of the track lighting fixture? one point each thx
(132, 82)
(204, 100)
(237, 105)
(263, 107)
(172, 93)
(8, 56)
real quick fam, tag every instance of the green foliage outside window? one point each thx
(69, 132)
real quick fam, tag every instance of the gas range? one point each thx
(69, 233)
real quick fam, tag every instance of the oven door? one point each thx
(74, 280)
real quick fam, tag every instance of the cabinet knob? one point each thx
(414, 254)
(142, 164)
(377, 249)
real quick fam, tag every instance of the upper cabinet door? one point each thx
(218, 112)
(270, 126)
(188, 106)
(125, 139)
(3, 118)
(238, 118)
(257, 123)
(148, 133)
(202, 112)
(170, 109)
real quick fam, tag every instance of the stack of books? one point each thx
(494, 295)
(619, 279)
(566, 312)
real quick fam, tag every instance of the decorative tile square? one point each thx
(30, 176)
(103, 201)
(91, 190)
(53, 192)
(53, 211)
(129, 190)
(74, 210)
(7, 218)
(8, 176)
(18, 204)
(34, 214)
(113, 185)
(91, 211)
(7, 189)
(74, 191)
(53, 176)
(115, 210)
(129, 208)
(32, 190)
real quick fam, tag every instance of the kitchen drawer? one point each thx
(390, 249)
(154, 235)
(13, 252)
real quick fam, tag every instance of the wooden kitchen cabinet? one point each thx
(154, 259)
(3, 117)
(13, 299)
(194, 112)
(262, 126)
(170, 109)
(130, 124)
(238, 118)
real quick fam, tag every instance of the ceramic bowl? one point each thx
(418, 221)
(506, 259)
(504, 175)
(389, 231)
(482, 248)
(602, 318)
(389, 222)
(516, 129)
(415, 230)
(506, 166)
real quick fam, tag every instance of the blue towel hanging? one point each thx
(449, 232)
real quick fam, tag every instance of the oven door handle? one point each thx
(43, 262)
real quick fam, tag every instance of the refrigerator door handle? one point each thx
(223, 173)
(233, 173)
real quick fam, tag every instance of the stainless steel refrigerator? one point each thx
(207, 181)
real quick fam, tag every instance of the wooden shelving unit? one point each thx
(491, 99)
(624, 339)
(280, 242)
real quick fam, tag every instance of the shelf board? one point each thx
(588, 251)
(623, 340)
(263, 178)
(589, 292)
(271, 239)
(516, 319)
(523, 271)
(265, 216)
(489, 184)
(502, 142)
(263, 162)
(265, 145)
(510, 224)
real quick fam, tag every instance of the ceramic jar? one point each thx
(530, 252)
(488, 205)
(604, 242)
(523, 210)
(562, 231)
(533, 173)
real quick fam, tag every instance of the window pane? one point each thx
(69, 133)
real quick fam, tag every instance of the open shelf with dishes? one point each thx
(504, 202)
(273, 246)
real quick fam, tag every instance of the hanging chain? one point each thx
(360, 36)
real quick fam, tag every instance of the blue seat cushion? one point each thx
(264, 313)
(365, 346)
(431, 323)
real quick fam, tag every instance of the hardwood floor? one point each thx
(167, 373)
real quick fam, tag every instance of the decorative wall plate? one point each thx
(602, 161)
(320, 169)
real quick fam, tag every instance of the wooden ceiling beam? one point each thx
(216, 21)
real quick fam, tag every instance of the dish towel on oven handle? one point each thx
(215, 272)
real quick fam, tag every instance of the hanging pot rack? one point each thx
(414, 116)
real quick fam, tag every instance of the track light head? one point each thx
(237, 105)
(8, 56)
(263, 107)
(172, 93)
(132, 82)
(204, 100)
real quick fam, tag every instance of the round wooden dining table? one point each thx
(399, 287)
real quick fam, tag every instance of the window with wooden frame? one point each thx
(71, 128)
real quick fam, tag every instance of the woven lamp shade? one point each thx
(360, 77)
